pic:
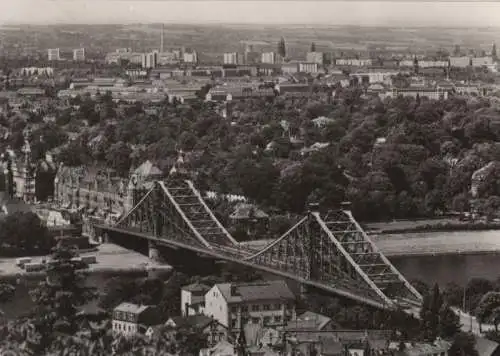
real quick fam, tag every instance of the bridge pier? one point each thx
(154, 252)
(103, 238)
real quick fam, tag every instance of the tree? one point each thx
(23, 233)
(464, 344)
(58, 297)
(438, 319)
(282, 47)
(119, 158)
(313, 47)
(189, 341)
(488, 309)
(449, 322)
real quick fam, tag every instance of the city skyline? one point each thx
(369, 13)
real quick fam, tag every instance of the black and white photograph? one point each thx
(249, 178)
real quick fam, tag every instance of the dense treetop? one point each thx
(400, 157)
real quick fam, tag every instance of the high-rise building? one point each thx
(79, 54)
(123, 50)
(231, 58)
(315, 57)
(53, 54)
(190, 57)
(149, 60)
(269, 58)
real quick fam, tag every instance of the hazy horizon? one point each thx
(371, 13)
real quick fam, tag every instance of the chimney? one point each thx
(313, 207)
(345, 205)
(161, 42)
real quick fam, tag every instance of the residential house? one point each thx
(479, 176)
(322, 121)
(211, 328)
(129, 319)
(249, 218)
(315, 147)
(438, 348)
(223, 348)
(19, 173)
(353, 62)
(421, 92)
(270, 303)
(193, 299)
(374, 76)
(337, 342)
(311, 321)
(308, 67)
(98, 193)
(238, 93)
(293, 89)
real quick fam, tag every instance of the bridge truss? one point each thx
(330, 252)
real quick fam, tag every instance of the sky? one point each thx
(373, 12)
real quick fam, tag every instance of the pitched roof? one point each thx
(131, 308)
(485, 347)
(148, 169)
(248, 211)
(268, 290)
(194, 321)
(312, 320)
(331, 347)
(196, 287)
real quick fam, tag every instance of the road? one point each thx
(469, 323)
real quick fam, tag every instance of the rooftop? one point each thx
(195, 321)
(196, 287)
(147, 169)
(131, 308)
(270, 290)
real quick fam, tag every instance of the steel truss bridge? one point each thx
(330, 252)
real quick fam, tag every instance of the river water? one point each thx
(459, 256)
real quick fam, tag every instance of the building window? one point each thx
(234, 323)
(255, 307)
(244, 308)
(266, 307)
(234, 309)
(277, 306)
(255, 320)
(277, 319)
(267, 320)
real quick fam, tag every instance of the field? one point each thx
(212, 40)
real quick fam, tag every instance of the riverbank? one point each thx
(110, 258)
(439, 243)
(434, 225)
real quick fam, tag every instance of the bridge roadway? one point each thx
(240, 256)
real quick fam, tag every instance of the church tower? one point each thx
(180, 168)
(28, 173)
(129, 202)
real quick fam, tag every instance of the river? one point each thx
(459, 256)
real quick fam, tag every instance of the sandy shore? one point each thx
(109, 257)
